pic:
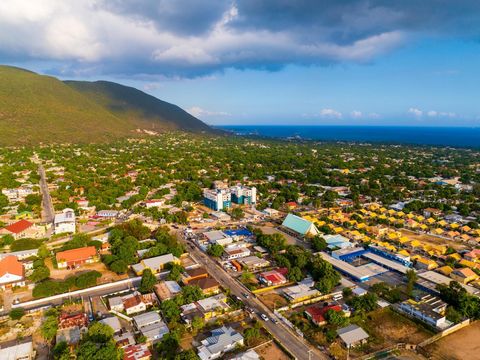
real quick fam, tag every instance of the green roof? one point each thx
(298, 224)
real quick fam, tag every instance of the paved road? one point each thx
(47, 206)
(292, 341)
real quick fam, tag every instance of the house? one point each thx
(67, 320)
(222, 340)
(113, 322)
(299, 226)
(273, 277)
(316, 313)
(153, 203)
(352, 335)
(150, 325)
(11, 272)
(134, 304)
(194, 274)
(76, 257)
(253, 262)
(337, 241)
(155, 264)
(107, 214)
(218, 237)
(473, 255)
(82, 203)
(65, 222)
(235, 252)
(463, 275)
(425, 264)
(23, 351)
(137, 352)
(207, 308)
(21, 229)
(299, 293)
(166, 290)
(429, 309)
(208, 285)
(124, 339)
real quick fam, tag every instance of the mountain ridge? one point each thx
(37, 109)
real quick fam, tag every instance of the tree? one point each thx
(16, 314)
(198, 323)
(168, 347)
(191, 293)
(215, 250)
(148, 282)
(336, 318)
(319, 243)
(61, 351)
(39, 273)
(175, 273)
(411, 279)
(49, 327)
(119, 266)
(43, 252)
(295, 274)
(187, 355)
(237, 213)
(170, 310)
(99, 332)
(87, 279)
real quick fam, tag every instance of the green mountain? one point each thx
(42, 109)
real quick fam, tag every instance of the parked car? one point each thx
(264, 317)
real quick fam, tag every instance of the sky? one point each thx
(303, 62)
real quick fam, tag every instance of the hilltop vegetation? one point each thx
(36, 108)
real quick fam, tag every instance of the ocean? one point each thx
(441, 136)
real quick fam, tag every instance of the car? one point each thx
(275, 321)
(264, 317)
(245, 295)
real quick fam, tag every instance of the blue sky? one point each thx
(265, 61)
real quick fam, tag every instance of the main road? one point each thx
(47, 206)
(286, 336)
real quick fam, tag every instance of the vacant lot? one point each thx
(271, 351)
(460, 345)
(433, 240)
(387, 328)
(272, 299)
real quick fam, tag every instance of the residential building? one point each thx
(113, 322)
(299, 226)
(166, 290)
(65, 222)
(194, 274)
(21, 229)
(217, 199)
(23, 351)
(316, 313)
(107, 214)
(134, 304)
(299, 293)
(217, 237)
(352, 335)
(153, 203)
(137, 352)
(429, 309)
(253, 262)
(207, 308)
(274, 277)
(222, 340)
(463, 275)
(76, 257)
(208, 285)
(124, 339)
(155, 264)
(235, 252)
(11, 272)
(243, 195)
(150, 325)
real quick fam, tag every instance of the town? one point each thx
(208, 247)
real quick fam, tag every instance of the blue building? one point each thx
(217, 199)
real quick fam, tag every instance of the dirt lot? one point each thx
(460, 345)
(433, 240)
(272, 298)
(107, 275)
(387, 328)
(290, 239)
(271, 351)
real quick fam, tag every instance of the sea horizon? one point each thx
(455, 136)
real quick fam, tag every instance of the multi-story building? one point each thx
(65, 222)
(429, 309)
(244, 195)
(217, 199)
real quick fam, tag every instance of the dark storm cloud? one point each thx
(191, 38)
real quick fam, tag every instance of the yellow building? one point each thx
(445, 270)
(464, 275)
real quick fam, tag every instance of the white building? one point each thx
(217, 199)
(222, 340)
(65, 222)
(244, 195)
(18, 352)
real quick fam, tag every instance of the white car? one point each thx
(264, 317)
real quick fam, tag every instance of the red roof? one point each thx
(80, 254)
(134, 352)
(274, 276)
(317, 312)
(19, 226)
(11, 265)
(291, 204)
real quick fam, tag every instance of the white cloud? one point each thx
(356, 114)
(415, 112)
(330, 113)
(374, 115)
(199, 112)
(432, 113)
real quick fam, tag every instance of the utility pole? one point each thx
(310, 354)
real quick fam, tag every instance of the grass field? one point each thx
(271, 299)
